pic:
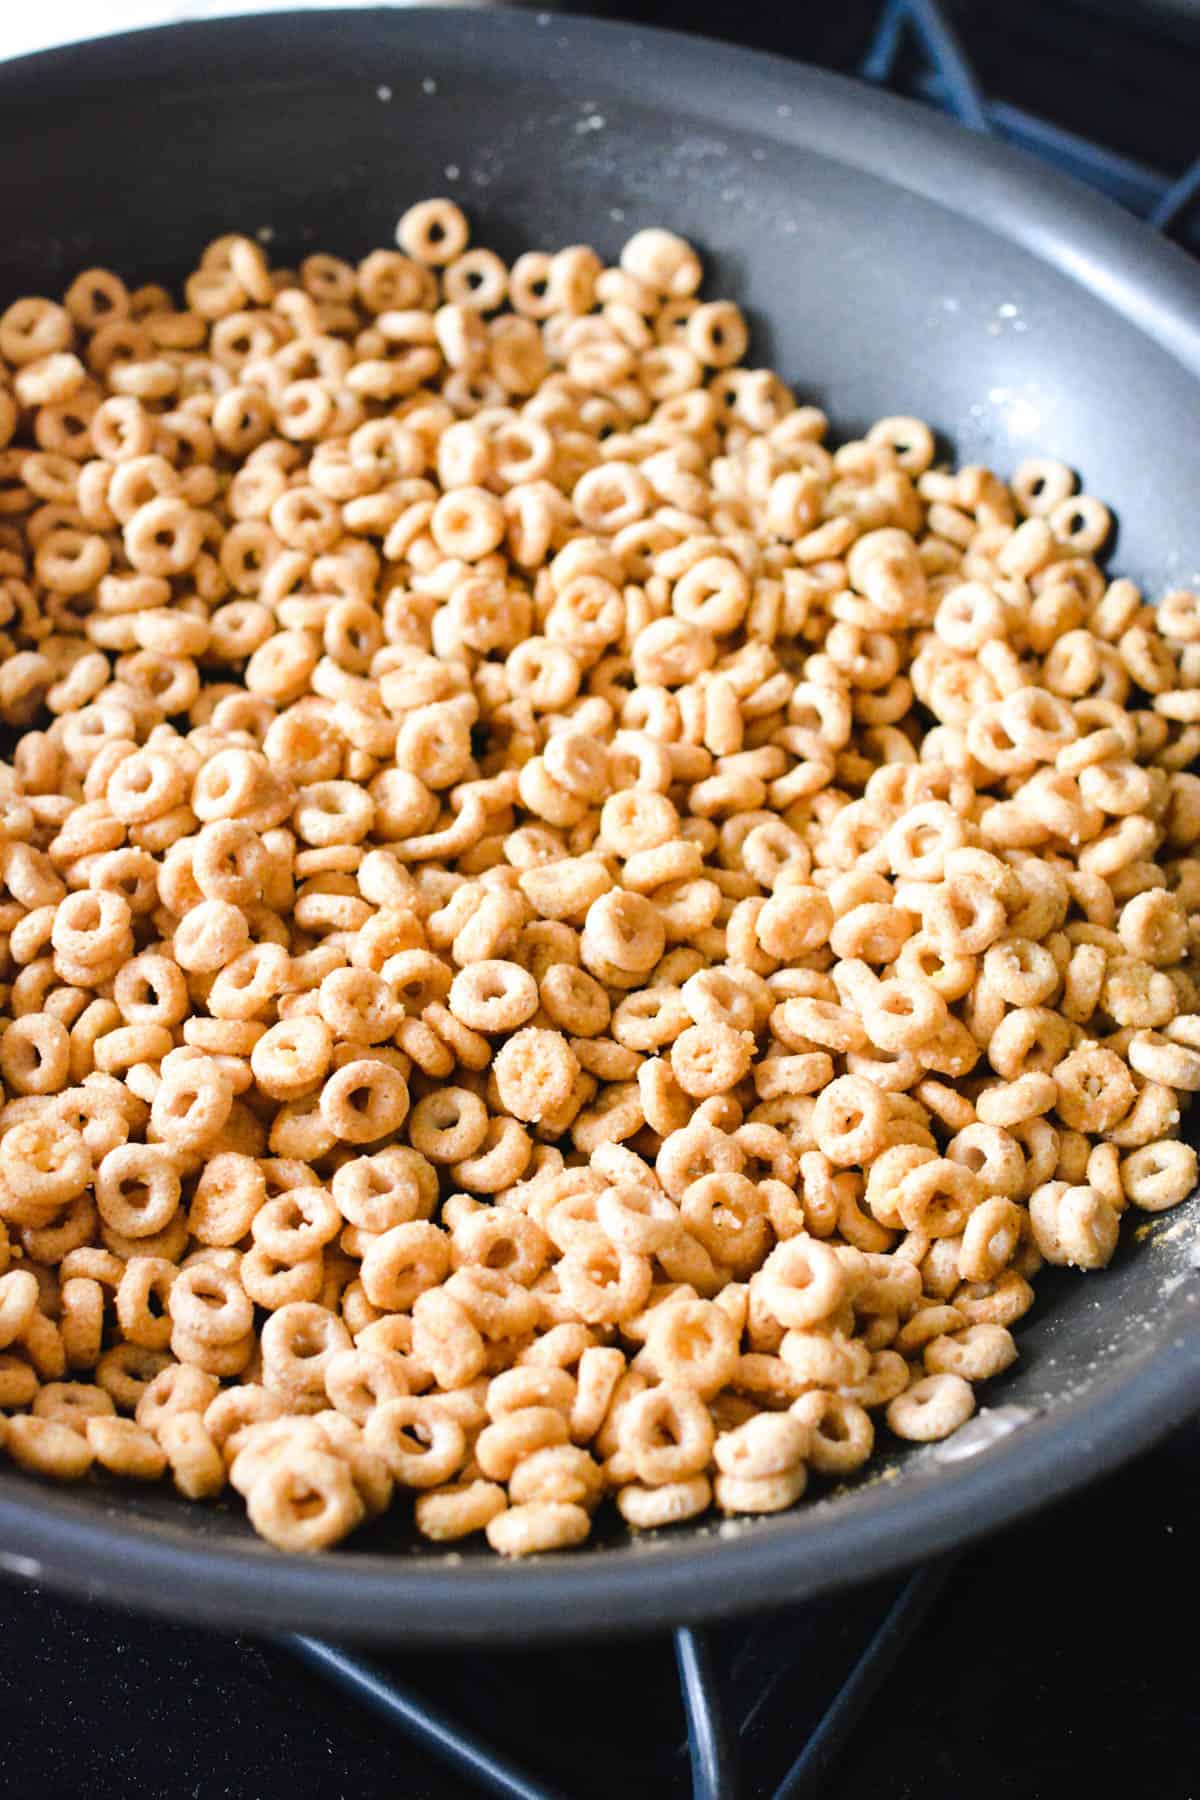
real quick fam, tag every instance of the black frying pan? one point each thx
(892, 263)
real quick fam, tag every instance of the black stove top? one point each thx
(1056, 1658)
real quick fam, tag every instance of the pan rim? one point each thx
(1058, 220)
(374, 1598)
(72, 1544)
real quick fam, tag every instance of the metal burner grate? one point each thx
(749, 1695)
(945, 77)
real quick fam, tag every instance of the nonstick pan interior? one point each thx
(891, 263)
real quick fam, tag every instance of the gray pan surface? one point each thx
(890, 263)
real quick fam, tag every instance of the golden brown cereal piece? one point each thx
(47, 1447)
(82, 1321)
(18, 1381)
(802, 1282)
(196, 1463)
(125, 1448)
(72, 1403)
(433, 231)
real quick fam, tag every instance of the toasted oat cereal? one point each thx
(562, 938)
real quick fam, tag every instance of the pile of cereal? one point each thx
(560, 938)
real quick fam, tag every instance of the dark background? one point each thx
(1060, 1657)
(1121, 72)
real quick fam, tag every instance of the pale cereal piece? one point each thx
(535, 1072)
(20, 1297)
(1159, 1175)
(938, 1197)
(710, 1059)
(651, 1508)
(802, 1282)
(770, 1444)
(600, 1370)
(298, 1343)
(1160, 1060)
(932, 1408)
(304, 1499)
(373, 1483)
(176, 1388)
(530, 1385)
(841, 1433)
(1095, 1089)
(562, 1473)
(236, 1407)
(516, 1435)
(446, 1514)
(667, 1434)
(927, 1322)
(693, 1343)
(250, 1449)
(760, 1494)
(978, 1352)
(421, 1443)
(1073, 1225)
(989, 1240)
(363, 1101)
(887, 1376)
(493, 995)
(359, 1380)
(433, 231)
(208, 1304)
(537, 1526)
(622, 932)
